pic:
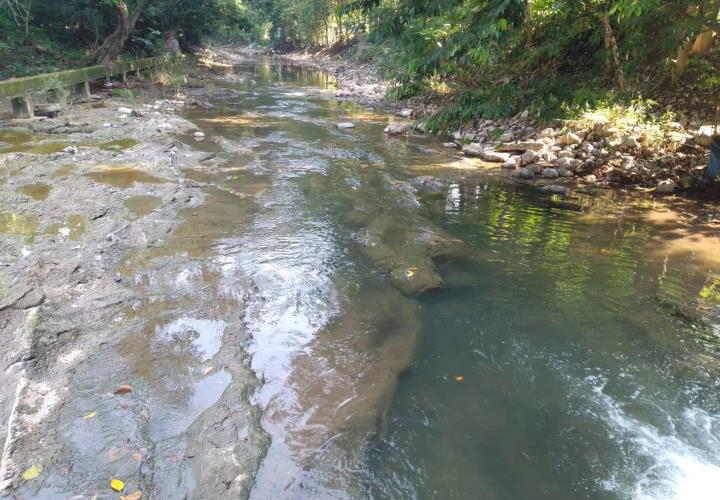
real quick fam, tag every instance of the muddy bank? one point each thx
(78, 195)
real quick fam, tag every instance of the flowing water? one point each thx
(455, 337)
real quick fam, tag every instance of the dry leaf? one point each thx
(137, 456)
(175, 457)
(459, 378)
(113, 454)
(132, 496)
(32, 472)
(124, 389)
(89, 415)
(117, 485)
(145, 414)
(207, 371)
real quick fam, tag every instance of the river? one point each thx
(418, 328)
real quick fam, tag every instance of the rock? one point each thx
(629, 142)
(675, 126)
(507, 137)
(529, 156)
(345, 125)
(564, 172)
(666, 187)
(567, 163)
(566, 154)
(523, 146)
(587, 147)
(555, 189)
(550, 173)
(49, 110)
(590, 179)
(450, 145)
(547, 132)
(70, 150)
(428, 182)
(569, 139)
(137, 113)
(124, 111)
(510, 164)
(398, 128)
(494, 156)
(704, 135)
(199, 135)
(524, 173)
(406, 113)
(534, 168)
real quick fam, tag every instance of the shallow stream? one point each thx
(447, 337)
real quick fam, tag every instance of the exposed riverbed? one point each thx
(303, 310)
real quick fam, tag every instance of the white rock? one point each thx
(547, 132)
(510, 164)
(590, 179)
(629, 142)
(406, 112)
(523, 146)
(704, 135)
(199, 134)
(450, 145)
(398, 128)
(666, 187)
(124, 111)
(568, 139)
(565, 154)
(345, 125)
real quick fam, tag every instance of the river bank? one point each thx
(611, 147)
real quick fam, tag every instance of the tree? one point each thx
(126, 20)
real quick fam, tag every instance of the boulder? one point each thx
(564, 172)
(529, 156)
(495, 156)
(524, 173)
(398, 128)
(550, 173)
(568, 163)
(507, 137)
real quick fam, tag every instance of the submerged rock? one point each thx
(555, 189)
(345, 125)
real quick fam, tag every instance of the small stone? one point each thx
(566, 154)
(587, 147)
(666, 187)
(124, 111)
(564, 172)
(567, 163)
(199, 134)
(345, 125)
(450, 145)
(547, 132)
(406, 113)
(550, 173)
(529, 156)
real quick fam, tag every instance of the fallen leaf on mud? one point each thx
(459, 378)
(113, 454)
(207, 371)
(175, 457)
(89, 415)
(145, 414)
(132, 496)
(117, 485)
(32, 472)
(124, 389)
(137, 456)
(411, 272)
(64, 471)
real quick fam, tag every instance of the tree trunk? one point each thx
(113, 45)
(172, 45)
(613, 60)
